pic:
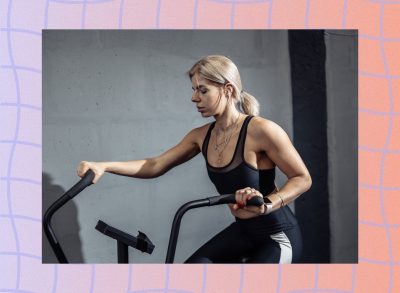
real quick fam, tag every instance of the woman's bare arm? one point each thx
(150, 167)
(273, 140)
(278, 147)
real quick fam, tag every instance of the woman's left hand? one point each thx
(242, 196)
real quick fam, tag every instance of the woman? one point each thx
(241, 151)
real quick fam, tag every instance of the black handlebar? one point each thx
(82, 184)
(230, 198)
(210, 201)
(78, 187)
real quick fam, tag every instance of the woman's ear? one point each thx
(228, 90)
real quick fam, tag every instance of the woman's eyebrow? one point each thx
(200, 85)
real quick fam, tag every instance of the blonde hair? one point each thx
(221, 70)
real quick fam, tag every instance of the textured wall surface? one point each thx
(308, 56)
(341, 83)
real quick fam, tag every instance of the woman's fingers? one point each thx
(239, 197)
(96, 178)
(82, 168)
(97, 169)
(243, 195)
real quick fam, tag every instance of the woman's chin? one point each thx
(205, 114)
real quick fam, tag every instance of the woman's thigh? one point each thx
(225, 247)
(282, 247)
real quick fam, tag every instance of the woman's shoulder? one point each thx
(202, 130)
(260, 123)
(263, 127)
(198, 133)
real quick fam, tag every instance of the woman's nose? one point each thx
(195, 97)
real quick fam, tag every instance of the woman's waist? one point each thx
(230, 187)
(282, 217)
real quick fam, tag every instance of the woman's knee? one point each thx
(198, 259)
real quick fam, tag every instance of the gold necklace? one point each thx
(225, 140)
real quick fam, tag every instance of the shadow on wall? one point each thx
(64, 223)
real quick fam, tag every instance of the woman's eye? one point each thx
(203, 91)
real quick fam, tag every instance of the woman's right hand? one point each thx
(97, 168)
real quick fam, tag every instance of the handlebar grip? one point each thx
(230, 198)
(255, 201)
(82, 184)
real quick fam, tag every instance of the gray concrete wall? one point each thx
(123, 95)
(341, 81)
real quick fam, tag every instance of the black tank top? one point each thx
(238, 174)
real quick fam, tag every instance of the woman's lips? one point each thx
(200, 109)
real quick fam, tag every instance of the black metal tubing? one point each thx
(230, 198)
(71, 193)
(210, 201)
(173, 239)
(55, 245)
(122, 251)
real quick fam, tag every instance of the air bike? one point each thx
(124, 240)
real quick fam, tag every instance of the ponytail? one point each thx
(249, 104)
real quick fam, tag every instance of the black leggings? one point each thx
(236, 242)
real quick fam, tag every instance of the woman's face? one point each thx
(208, 97)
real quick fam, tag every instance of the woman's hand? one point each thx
(242, 196)
(97, 168)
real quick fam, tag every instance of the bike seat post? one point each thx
(123, 254)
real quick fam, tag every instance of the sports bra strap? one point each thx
(238, 155)
(206, 140)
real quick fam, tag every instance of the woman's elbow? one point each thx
(150, 169)
(307, 182)
(158, 168)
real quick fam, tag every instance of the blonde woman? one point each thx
(241, 151)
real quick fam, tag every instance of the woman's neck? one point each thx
(228, 118)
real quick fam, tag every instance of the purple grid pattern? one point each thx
(13, 70)
(10, 159)
(382, 165)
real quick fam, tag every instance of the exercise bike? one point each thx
(124, 240)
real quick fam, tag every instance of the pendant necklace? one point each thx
(220, 147)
